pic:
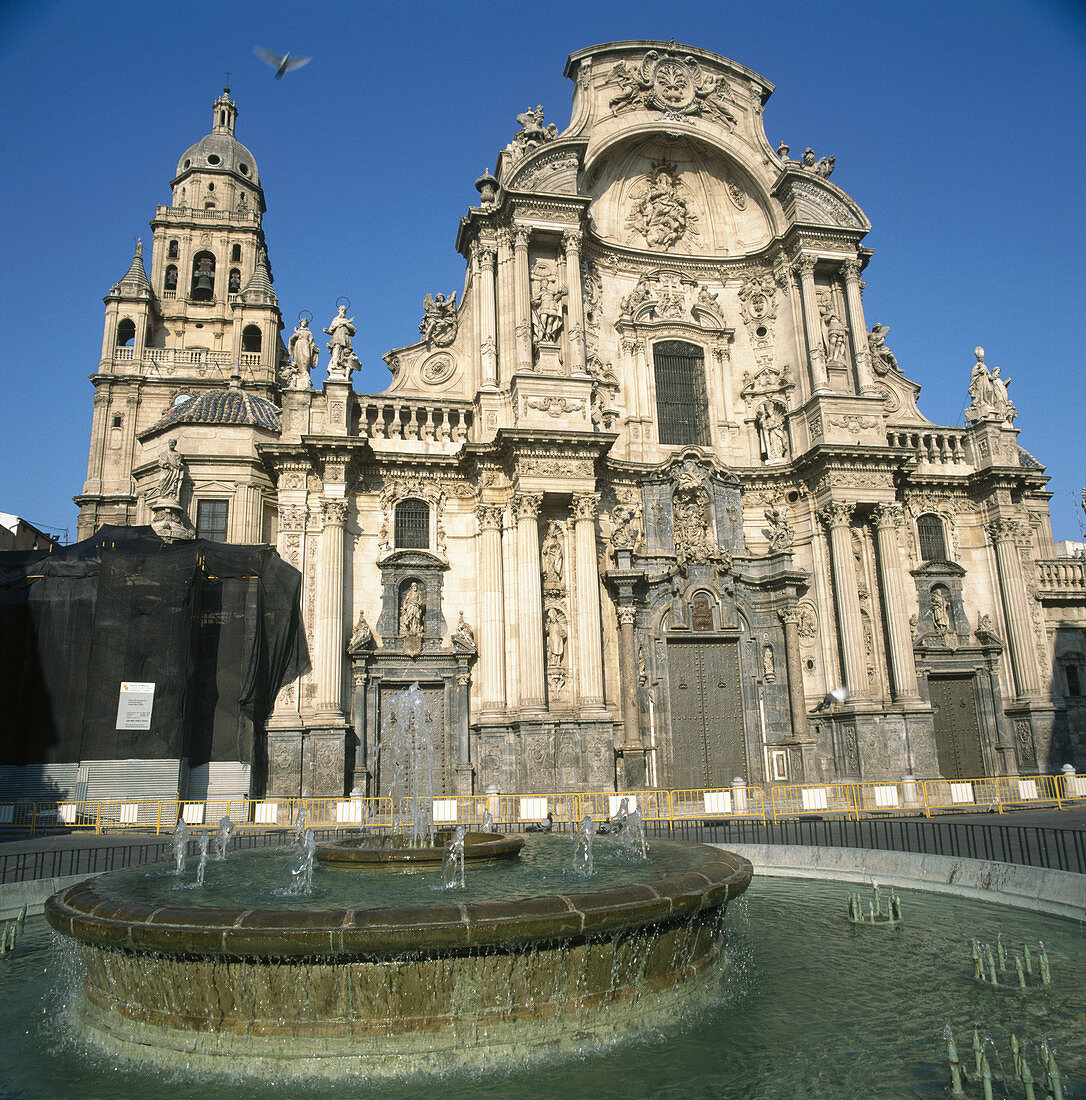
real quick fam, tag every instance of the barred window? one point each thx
(412, 525)
(211, 519)
(929, 529)
(681, 407)
(1074, 681)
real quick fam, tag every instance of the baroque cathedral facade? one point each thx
(649, 504)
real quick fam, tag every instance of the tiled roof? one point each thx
(224, 406)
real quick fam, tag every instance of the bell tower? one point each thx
(206, 311)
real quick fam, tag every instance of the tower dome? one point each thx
(220, 151)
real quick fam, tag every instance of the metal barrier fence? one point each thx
(781, 803)
(995, 840)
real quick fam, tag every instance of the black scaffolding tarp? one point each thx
(216, 628)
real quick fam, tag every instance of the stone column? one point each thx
(797, 703)
(506, 293)
(329, 625)
(464, 769)
(290, 543)
(816, 354)
(589, 636)
(857, 326)
(522, 297)
(837, 518)
(571, 239)
(488, 332)
(491, 608)
(902, 665)
(532, 694)
(627, 652)
(1004, 535)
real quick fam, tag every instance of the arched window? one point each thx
(929, 530)
(682, 411)
(170, 281)
(412, 525)
(235, 254)
(250, 338)
(203, 277)
(172, 251)
(234, 283)
(126, 333)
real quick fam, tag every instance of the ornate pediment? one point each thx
(552, 170)
(813, 200)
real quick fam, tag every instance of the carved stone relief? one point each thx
(661, 213)
(677, 86)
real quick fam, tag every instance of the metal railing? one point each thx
(853, 801)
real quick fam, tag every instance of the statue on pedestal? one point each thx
(340, 347)
(303, 354)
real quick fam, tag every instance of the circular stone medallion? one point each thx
(438, 368)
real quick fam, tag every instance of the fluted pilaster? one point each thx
(816, 355)
(902, 666)
(529, 577)
(491, 608)
(571, 239)
(522, 297)
(1004, 535)
(588, 599)
(797, 704)
(488, 331)
(837, 518)
(329, 626)
(857, 326)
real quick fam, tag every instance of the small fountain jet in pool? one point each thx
(582, 848)
(985, 970)
(301, 867)
(222, 837)
(180, 843)
(874, 914)
(202, 840)
(452, 869)
(299, 830)
(488, 822)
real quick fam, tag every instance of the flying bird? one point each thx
(836, 695)
(281, 64)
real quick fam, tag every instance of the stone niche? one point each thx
(399, 570)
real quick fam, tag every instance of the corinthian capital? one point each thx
(886, 515)
(836, 514)
(522, 234)
(489, 516)
(627, 616)
(334, 512)
(1002, 530)
(789, 615)
(527, 505)
(851, 270)
(572, 238)
(804, 265)
(585, 505)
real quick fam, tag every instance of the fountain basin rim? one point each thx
(359, 853)
(92, 917)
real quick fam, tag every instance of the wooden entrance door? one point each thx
(957, 728)
(708, 743)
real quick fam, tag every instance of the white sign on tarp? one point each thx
(134, 706)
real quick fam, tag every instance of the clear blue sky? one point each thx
(957, 127)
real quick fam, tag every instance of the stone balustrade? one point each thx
(938, 446)
(1061, 578)
(191, 213)
(438, 422)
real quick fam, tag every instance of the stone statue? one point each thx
(463, 637)
(556, 639)
(303, 353)
(639, 296)
(678, 613)
(988, 393)
(553, 556)
(412, 612)
(173, 473)
(623, 527)
(438, 325)
(708, 301)
(809, 159)
(340, 347)
(769, 672)
(835, 335)
(532, 132)
(940, 611)
(642, 669)
(546, 305)
(882, 358)
(824, 167)
(781, 535)
(362, 638)
(771, 432)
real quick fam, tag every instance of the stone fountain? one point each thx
(377, 988)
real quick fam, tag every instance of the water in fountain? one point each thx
(488, 822)
(301, 868)
(180, 843)
(222, 837)
(202, 841)
(298, 840)
(582, 848)
(405, 758)
(452, 870)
